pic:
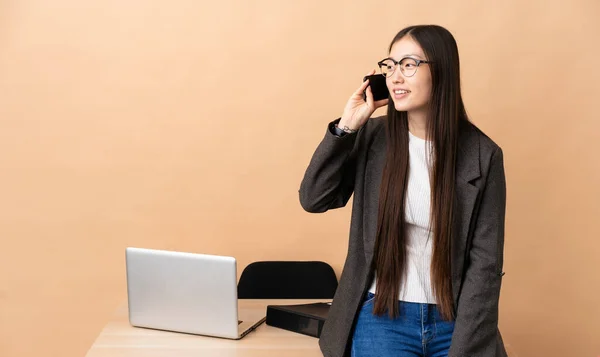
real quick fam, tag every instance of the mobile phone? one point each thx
(378, 87)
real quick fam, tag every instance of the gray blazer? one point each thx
(353, 164)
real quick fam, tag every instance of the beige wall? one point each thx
(188, 125)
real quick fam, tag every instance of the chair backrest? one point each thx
(287, 280)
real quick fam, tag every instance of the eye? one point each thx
(408, 63)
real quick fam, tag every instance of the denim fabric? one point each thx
(419, 331)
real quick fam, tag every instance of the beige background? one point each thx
(187, 125)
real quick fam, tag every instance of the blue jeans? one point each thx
(419, 331)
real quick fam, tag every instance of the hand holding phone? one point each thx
(363, 102)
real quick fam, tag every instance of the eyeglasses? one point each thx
(408, 66)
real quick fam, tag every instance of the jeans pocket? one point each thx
(368, 299)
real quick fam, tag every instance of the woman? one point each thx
(424, 267)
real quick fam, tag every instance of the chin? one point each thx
(407, 107)
(401, 107)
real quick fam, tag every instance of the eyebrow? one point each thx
(411, 55)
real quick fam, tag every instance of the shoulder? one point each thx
(373, 131)
(472, 135)
(472, 132)
(374, 125)
(477, 153)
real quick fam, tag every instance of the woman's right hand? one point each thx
(357, 111)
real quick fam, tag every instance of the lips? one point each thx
(399, 93)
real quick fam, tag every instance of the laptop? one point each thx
(188, 293)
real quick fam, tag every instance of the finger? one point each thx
(369, 98)
(362, 88)
(372, 72)
(364, 84)
(381, 103)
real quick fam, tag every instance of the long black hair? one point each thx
(445, 115)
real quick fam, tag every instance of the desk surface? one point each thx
(120, 339)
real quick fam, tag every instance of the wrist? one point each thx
(346, 128)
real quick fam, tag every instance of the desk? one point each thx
(120, 339)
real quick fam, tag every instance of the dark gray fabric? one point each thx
(337, 131)
(353, 165)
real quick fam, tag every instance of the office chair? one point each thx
(287, 280)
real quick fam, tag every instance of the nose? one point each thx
(397, 76)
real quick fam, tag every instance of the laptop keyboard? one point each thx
(239, 322)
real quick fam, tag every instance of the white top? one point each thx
(419, 239)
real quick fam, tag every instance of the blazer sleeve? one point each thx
(328, 181)
(476, 326)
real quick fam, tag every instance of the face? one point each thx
(418, 86)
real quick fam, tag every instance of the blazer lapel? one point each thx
(373, 173)
(467, 170)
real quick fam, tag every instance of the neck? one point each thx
(417, 124)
